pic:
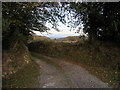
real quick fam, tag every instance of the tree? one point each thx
(21, 19)
(101, 20)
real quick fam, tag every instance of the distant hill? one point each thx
(40, 38)
(66, 39)
(69, 38)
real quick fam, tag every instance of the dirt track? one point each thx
(70, 76)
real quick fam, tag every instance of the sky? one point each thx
(64, 32)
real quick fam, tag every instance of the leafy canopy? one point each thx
(21, 19)
(100, 20)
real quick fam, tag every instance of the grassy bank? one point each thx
(26, 77)
(18, 70)
(100, 58)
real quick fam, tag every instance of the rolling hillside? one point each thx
(69, 38)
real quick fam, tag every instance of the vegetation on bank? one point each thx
(25, 77)
(100, 58)
(19, 71)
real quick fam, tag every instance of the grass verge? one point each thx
(111, 77)
(25, 77)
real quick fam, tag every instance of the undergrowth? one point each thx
(18, 70)
(26, 77)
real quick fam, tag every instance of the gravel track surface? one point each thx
(70, 75)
